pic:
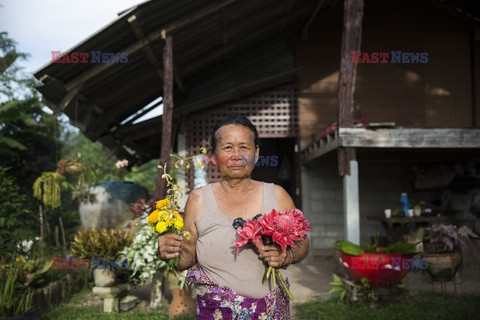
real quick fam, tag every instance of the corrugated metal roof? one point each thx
(229, 48)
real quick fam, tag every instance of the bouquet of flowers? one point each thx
(279, 227)
(166, 217)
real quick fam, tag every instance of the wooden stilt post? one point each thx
(42, 234)
(167, 117)
(62, 229)
(347, 164)
(57, 237)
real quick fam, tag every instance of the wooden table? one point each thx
(395, 227)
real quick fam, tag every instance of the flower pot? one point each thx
(182, 302)
(104, 277)
(74, 169)
(378, 268)
(442, 267)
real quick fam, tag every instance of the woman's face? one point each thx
(235, 152)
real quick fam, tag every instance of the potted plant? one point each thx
(104, 244)
(49, 185)
(379, 265)
(441, 250)
(145, 262)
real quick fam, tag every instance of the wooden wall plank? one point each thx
(448, 74)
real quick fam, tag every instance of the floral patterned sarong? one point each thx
(220, 302)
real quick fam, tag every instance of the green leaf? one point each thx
(349, 248)
(402, 247)
(336, 289)
(12, 143)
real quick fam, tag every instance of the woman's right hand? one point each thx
(169, 245)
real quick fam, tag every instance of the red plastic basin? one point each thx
(379, 268)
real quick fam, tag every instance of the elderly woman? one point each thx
(229, 286)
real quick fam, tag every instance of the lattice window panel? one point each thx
(273, 112)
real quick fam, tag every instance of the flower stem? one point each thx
(284, 285)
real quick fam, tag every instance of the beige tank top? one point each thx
(216, 252)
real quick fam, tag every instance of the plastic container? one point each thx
(404, 202)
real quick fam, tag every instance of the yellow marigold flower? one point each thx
(153, 217)
(164, 215)
(178, 224)
(18, 259)
(162, 203)
(161, 227)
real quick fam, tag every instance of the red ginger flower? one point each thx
(285, 227)
(251, 231)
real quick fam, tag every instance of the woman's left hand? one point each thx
(274, 255)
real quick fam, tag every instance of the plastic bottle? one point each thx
(404, 202)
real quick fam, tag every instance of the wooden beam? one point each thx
(319, 6)
(128, 129)
(416, 138)
(86, 118)
(167, 117)
(351, 39)
(224, 24)
(221, 50)
(155, 35)
(245, 55)
(141, 114)
(252, 24)
(235, 92)
(47, 78)
(67, 99)
(288, 5)
(151, 55)
(476, 75)
(145, 45)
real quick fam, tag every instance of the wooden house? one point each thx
(280, 62)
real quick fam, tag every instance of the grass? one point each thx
(89, 313)
(74, 310)
(422, 306)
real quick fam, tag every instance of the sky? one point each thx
(42, 26)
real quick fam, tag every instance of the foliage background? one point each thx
(33, 140)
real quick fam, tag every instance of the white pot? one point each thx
(104, 277)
